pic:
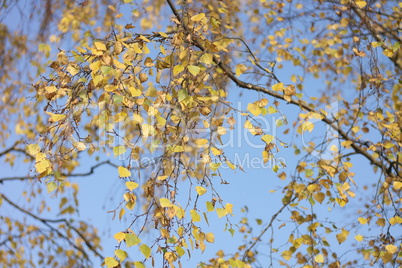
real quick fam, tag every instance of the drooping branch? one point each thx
(258, 239)
(47, 223)
(368, 22)
(90, 172)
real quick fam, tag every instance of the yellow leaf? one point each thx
(165, 202)
(214, 166)
(216, 151)
(395, 220)
(51, 186)
(147, 130)
(319, 197)
(195, 217)
(388, 52)
(42, 165)
(360, 3)
(206, 58)
(51, 89)
(201, 142)
(200, 190)
(380, 222)
(131, 185)
(162, 178)
(135, 92)
(221, 212)
(210, 206)
(145, 250)
(80, 146)
(197, 17)
(100, 46)
(132, 240)
(178, 69)
(397, 185)
(210, 237)
(33, 149)
(138, 118)
(344, 22)
(287, 254)
(123, 172)
(391, 248)
(121, 213)
(319, 258)
(272, 110)
(119, 236)
(267, 138)
(229, 208)
(72, 70)
(277, 87)
(359, 237)
(95, 66)
(194, 70)
(178, 149)
(55, 117)
(248, 125)
(231, 165)
(121, 254)
(111, 262)
(165, 233)
(362, 220)
(254, 109)
(118, 150)
(240, 69)
(341, 237)
(221, 131)
(376, 44)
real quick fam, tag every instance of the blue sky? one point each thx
(102, 191)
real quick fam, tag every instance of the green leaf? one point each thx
(118, 150)
(182, 95)
(145, 250)
(221, 212)
(33, 149)
(132, 240)
(197, 17)
(51, 186)
(165, 202)
(121, 254)
(210, 207)
(111, 262)
(178, 69)
(214, 166)
(194, 70)
(139, 264)
(206, 58)
(106, 69)
(231, 231)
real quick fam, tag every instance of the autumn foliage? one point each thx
(155, 91)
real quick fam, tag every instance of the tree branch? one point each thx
(302, 104)
(47, 223)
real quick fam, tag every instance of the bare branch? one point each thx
(47, 222)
